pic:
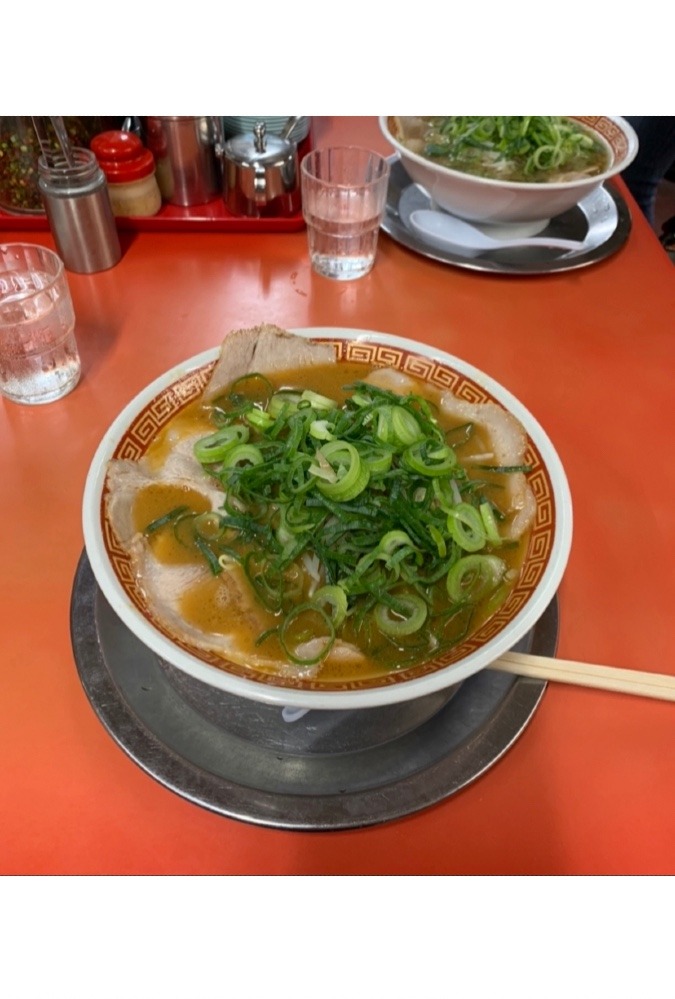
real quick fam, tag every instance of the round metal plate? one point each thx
(602, 221)
(317, 780)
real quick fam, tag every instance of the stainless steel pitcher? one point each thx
(188, 172)
(260, 173)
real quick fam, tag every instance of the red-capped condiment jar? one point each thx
(130, 171)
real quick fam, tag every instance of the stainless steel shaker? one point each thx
(185, 158)
(77, 203)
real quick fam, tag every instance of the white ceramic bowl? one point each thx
(529, 206)
(131, 433)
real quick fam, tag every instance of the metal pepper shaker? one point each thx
(76, 199)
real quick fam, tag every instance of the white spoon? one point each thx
(447, 230)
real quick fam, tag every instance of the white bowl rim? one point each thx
(444, 677)
(524, 185)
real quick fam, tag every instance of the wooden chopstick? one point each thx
(626, 681)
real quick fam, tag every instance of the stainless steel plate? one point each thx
(602, 222)
(316, 777)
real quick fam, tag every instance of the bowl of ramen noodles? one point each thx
(326, 518)
(510, 171)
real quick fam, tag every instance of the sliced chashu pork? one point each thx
(126, 478)
(264, 349)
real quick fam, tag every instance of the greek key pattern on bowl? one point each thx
(159, 411)
(610, 132)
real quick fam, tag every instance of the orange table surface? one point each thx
(589, 787)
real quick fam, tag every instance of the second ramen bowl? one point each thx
(525, 208)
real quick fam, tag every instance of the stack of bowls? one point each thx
(274, 125)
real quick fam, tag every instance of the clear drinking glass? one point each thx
(39, 360)
(344, 191)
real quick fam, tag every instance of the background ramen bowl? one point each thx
(132, 432)
(527, 207)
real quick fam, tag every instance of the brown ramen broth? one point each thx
(416, 557)
(543, 150)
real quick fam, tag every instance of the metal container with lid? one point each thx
(76, 199)
(185, 157)
(260, 173)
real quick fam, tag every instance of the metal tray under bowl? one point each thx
(326, 770)
(602, 223)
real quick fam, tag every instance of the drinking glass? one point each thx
(39, 360)
(344, 190)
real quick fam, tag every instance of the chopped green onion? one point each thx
(210, 556)
(209, 525)
(260, 419)
(300, 627)
(215, 446)
(402, 615)
(490, 523)
(167, 518)
(351, 474)
(242, 454)
(405, 428)
(317, 401)
(466, 527)
(322, 430)
(336, 599)
(430, 458)
(473, 576)
(284, 401)
(353, 520)
(378, 459)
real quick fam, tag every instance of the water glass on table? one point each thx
(39, 360)
(344, 191)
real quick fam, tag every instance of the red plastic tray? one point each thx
(212, 217)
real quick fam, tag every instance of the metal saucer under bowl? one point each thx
(326, 770)
(601, 222)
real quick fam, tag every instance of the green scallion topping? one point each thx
(351, 520)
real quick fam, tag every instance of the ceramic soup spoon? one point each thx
(442, 230)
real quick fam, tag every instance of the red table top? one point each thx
(588, 786)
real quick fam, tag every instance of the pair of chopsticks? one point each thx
(625, 681)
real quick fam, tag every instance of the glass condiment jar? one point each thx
(19, 153)
(130, 171)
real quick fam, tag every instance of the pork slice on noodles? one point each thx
(506, 446)
(263, 349)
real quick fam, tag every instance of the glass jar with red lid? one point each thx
(130, 171)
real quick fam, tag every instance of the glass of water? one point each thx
(344, 191)
(39, 360)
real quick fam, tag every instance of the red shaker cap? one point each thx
(122, 156)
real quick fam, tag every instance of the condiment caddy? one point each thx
(212, 216)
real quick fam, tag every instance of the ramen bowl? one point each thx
(132, 433)
(522, 208)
